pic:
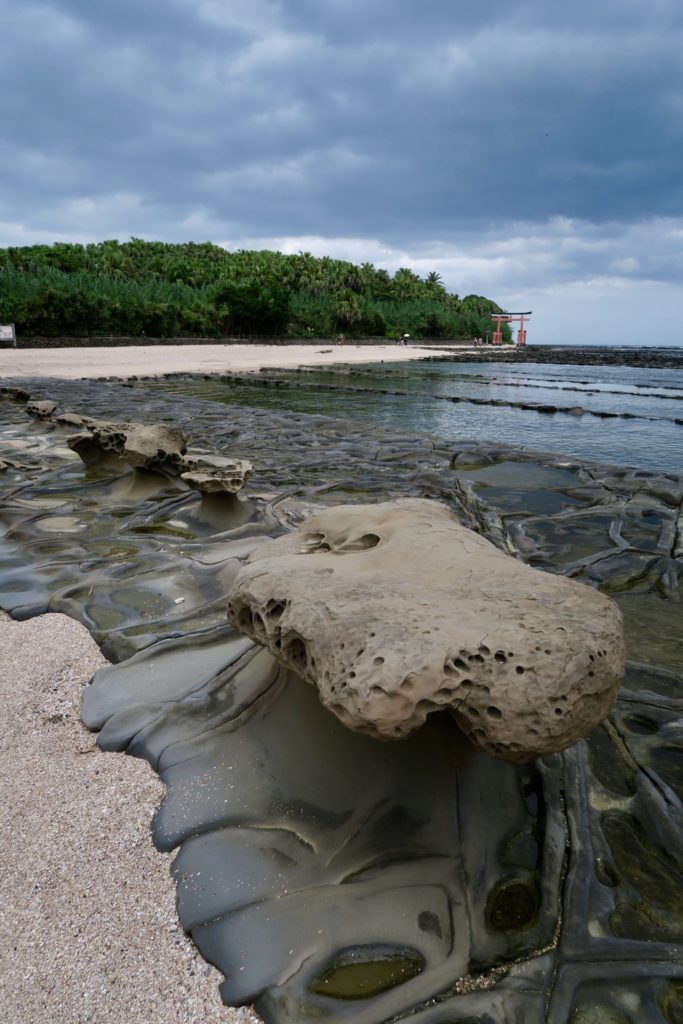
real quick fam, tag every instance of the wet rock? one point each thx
(41, 410)
(15, 394)
(216, 474)
(396, 610)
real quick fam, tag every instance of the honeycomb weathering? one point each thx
(421, 614)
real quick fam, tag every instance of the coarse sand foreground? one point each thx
(88, 928)
(143, 360)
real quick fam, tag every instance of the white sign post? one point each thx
(7, 336)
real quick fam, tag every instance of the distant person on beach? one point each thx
(340, 339)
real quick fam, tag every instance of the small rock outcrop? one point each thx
(396, 610)
(41, 410)
(74, 419)
(215, 474)
(15, 394)
(157, 447)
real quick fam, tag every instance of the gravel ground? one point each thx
(88, 928)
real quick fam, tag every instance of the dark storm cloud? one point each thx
(385, 119)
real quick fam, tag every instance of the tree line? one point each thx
(166, 290)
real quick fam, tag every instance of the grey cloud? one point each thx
(260, 118)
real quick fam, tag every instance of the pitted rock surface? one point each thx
(154, 447)
(215, 474)
(396, 610)
(41, 410)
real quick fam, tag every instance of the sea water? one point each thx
(616, 414)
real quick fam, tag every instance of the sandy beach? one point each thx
(88, 927)
(143, 360)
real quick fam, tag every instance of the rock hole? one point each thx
(244, 618)
(378, 661)
(500, 656)
(295, 650)
(494, 712)
(484, 650)
(424, 705)
(558, 712)
(315, 542)
(520, 670)
(364, 543)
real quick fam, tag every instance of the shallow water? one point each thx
(629, 419)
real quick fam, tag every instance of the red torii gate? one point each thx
(508, 318)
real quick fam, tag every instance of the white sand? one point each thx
(88, 928)
(143, 360)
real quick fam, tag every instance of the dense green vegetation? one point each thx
(161, 290)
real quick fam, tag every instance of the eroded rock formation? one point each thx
(396, 610)
(215, 474)
(155, 447)
(158, 448)
(41, 410)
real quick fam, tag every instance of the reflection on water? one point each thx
(437, 397)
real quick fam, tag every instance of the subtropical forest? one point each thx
(200, 290)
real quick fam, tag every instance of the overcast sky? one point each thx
(528, 150)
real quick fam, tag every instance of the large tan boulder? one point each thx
(395, 610)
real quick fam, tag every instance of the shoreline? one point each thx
(131, 360)
(89, 921)
(146, 360)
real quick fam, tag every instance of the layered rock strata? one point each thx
(396, 610)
